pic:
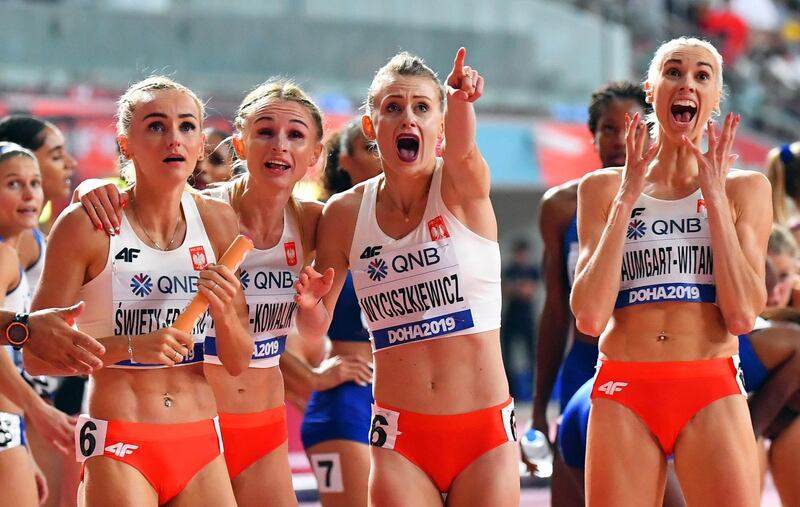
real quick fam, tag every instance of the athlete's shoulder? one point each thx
(345, 203)
(744, 178)
(560, 193)
(75, 220)
(310, 209)
(600, 181)
(214, 210)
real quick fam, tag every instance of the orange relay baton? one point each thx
(232, 258)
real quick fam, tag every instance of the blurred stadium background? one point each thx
(68, 60)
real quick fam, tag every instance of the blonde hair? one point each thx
(279, 90)
(126, 105)
(783, 165)
(781, 241)
(654, 70)
(401, 64)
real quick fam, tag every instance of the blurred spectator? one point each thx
(726, 29)
(519, 288)
(761, 15)
(217, 165)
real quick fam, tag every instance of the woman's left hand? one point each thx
(219, 285)
(464, 83)
(715, 163)
(312, 286)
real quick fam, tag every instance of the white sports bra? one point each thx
(667, 254)
(267, 278)
(440, 280)
(141, 289)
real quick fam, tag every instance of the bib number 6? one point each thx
(90, 437)
(87, 440)
(377, 436)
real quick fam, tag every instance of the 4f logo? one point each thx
(636, 229)
(612, 387)
(637, 212)
(141, 285)
(127, 254)
(370, 252)
(121, 450)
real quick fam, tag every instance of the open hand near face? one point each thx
(464, 83)
(636, 159)
(715, 163)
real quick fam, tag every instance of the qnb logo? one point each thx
(121, 450)
(141, 285)
(377, 270)
(612, 387)
(244, 279)
(636, 229)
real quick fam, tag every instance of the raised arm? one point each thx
(465, 168)
(739, 235)
(605, 201)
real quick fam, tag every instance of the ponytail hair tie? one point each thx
(786, 154)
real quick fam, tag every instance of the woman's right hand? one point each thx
(104, 203)
(337, 370)
(167, 346)
(636, 159)
(55, 426)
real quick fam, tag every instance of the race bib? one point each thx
(90, 437)
(328, 470)
(411, 294)
(11, 431)
(667, 260)
(510, 421)
(383, 432)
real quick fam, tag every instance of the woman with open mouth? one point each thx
(670, 271)
(421, 243)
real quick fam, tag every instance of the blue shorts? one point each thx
(755, 373)
(578, 367)
(574, 424)
(341, 413)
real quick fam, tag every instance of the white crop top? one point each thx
(141, 289)
(439, 280)
(667, 254)
(267, 278)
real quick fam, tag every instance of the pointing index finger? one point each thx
(458, 63)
